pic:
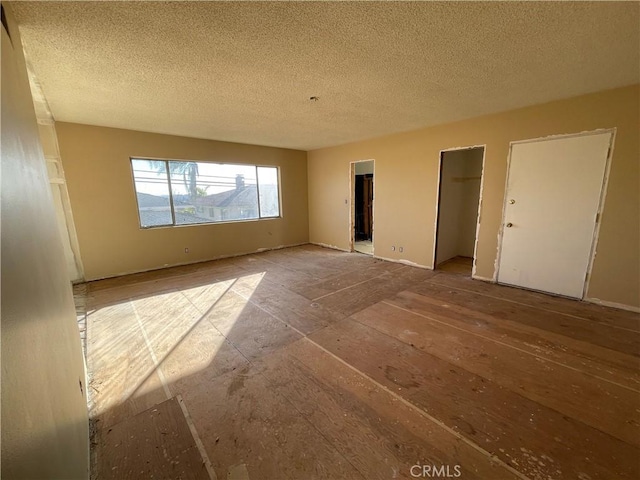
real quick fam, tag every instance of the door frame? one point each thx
(601, 201)
(352, 204)
(438, 193)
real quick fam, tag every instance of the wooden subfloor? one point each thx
(308, 363)
(462, 265)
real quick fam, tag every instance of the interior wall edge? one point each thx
(45, 423)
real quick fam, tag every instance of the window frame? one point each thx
(173, 223)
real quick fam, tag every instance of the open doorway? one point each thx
(458, 209)
(361, 224)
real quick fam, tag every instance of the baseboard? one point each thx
(378, 257)
(483, 279)
(403, 262)
(597, 301)
(332, 247)
(620, 306)
(182, 264)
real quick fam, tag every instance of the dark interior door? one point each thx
(363, 207)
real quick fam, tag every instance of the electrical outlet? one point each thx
(186, 250)
(401, 249)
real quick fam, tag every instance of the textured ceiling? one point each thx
(244, 71)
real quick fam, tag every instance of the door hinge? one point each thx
(597, 217)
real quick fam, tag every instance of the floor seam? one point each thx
(303, 336)
(424, 414)
(504, 345)
(402, 399)
(534, 306)
(304, 418)
(167, 391)
(351, 286)
(242, 299)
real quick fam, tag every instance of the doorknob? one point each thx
(512, 201)
(509, 225)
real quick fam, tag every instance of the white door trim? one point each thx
(352, 199)
(603, 194)
(437, 215)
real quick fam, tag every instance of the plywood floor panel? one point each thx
(592, 359)
(122, 376)
(277, 273)
(202, 355)
(246, 426)
(458, 265)
(308, 363)
(205, 297)
(315, 267)
(593, 332)
(613, 317)
(315, 291)
(574, 393)
(155, 443)
(377, 433)
(249, 328)
(117, 290)
(362, 295)
(288, 306)
(166, 318)
(500, 421)
(334, 259)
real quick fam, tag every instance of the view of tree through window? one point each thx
(182, 193)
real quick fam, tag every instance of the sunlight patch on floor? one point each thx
(136, 345)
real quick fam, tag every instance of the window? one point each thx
(186, 193)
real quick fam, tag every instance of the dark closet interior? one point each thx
(363, 207)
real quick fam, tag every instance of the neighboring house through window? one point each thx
(184, 193)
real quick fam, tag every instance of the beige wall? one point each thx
(97, 168)
(45, 431)
(407, 175)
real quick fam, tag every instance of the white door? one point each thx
(551, 204)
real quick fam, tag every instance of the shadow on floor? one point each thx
(313, 363)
